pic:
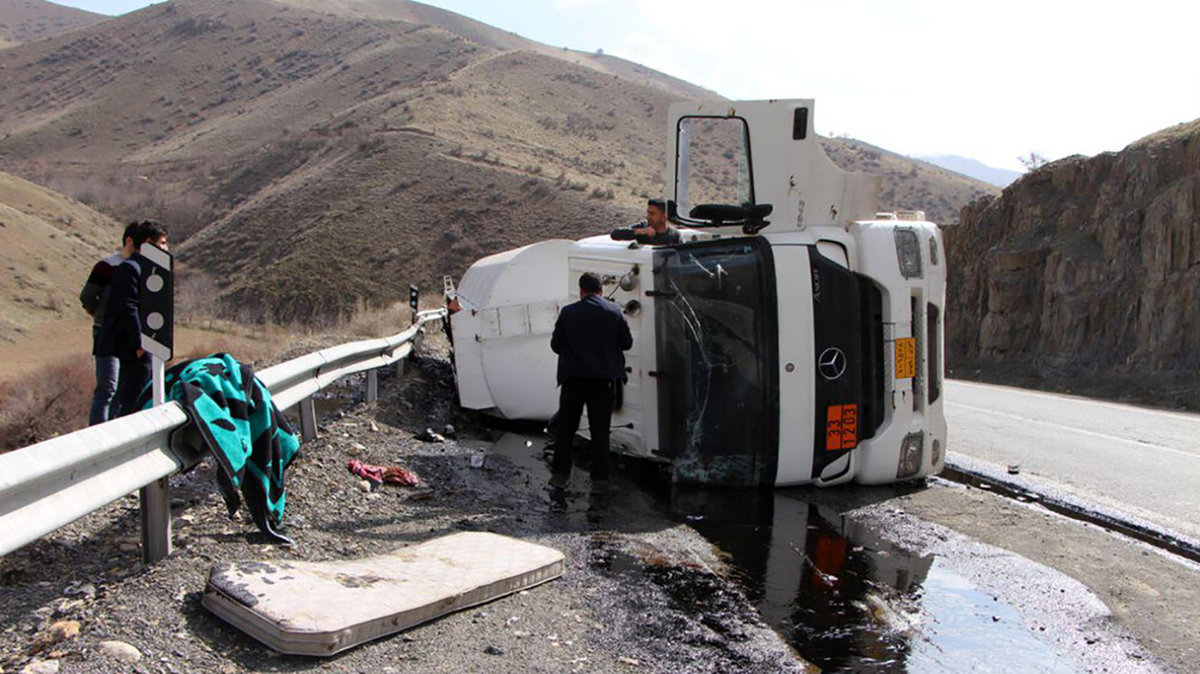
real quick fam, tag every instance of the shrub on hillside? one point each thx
(56, 400)
(44, 404)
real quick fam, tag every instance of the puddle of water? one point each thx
(844, 597)
(841, 597)
(848, 600)
(964, 629)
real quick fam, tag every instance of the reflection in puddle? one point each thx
(848, 600)
(845, 598)
(838, 593)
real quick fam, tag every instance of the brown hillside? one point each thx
(909, 183)
(1085, 275)
(330, 158)
(48, 244)
(434, 185)
(31, 20)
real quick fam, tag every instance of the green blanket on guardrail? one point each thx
(243, 429)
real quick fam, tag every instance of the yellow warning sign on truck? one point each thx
(906, 357)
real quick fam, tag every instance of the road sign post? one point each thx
(156, 308)
(156, 303)
(413, 303)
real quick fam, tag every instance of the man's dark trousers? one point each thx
(104, 396)
(119, 334)
(133, 373)
(597, 395)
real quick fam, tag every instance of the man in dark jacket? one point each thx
(120, 333)
(589, 338)
(94, 298)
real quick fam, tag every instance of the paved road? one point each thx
(1142, 461)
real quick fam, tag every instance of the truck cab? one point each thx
(793, 337)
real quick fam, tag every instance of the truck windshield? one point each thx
(717, 393)
(712, 162)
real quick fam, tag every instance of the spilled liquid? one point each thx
(848, 600)
(845, 598)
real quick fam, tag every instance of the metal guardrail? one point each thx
(53, 483)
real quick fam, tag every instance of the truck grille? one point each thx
(874, 374)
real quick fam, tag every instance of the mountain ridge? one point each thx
(973, 168)
(31, 20)
(239, 123)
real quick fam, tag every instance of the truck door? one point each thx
(717, 354)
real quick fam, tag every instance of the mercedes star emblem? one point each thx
(832, 363)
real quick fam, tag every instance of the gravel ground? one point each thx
(640, 594)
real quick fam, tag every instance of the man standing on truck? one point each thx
(589, 337)
(654, 232)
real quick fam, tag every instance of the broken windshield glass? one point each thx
(715, 319)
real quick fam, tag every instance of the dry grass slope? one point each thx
(48, 244)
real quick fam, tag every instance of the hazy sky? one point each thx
(986, 80)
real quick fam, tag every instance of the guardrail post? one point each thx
(155, 498)
(308, 419)
(156, 521)
(372, 385)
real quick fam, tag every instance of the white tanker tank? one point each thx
(794, 337)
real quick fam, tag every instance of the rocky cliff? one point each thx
(1084, 276)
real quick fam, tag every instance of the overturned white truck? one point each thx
(794, 337)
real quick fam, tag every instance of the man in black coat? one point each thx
(94, 298)
(590, 337)
(120, 332)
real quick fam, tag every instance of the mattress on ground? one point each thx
(321, 608)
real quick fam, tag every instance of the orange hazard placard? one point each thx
(841, 427)
(906, 358)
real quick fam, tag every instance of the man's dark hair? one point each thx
(146, 230)
(590, 283)
(659, 204)
(131, 232)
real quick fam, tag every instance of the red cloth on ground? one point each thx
(391, 474)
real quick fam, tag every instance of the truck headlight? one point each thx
(910, 456)
(908, 250)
